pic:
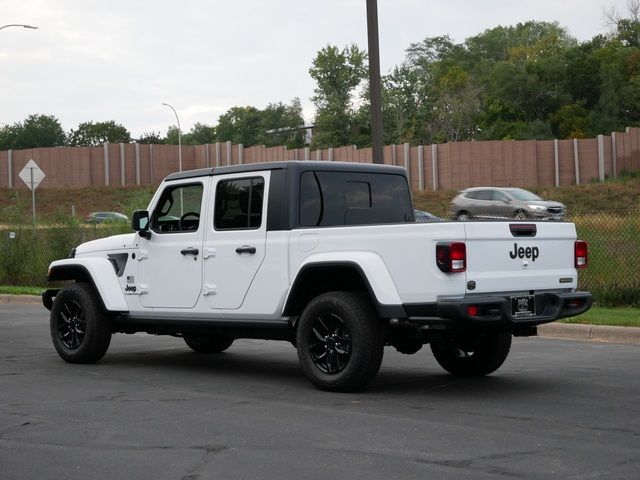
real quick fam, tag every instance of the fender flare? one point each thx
(371, 268)
(97, 270)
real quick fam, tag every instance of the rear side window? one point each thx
(239, 204)
(480, 195)
(343, 198)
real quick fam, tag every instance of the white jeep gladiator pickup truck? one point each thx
(324, 255)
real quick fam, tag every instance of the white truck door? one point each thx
(235, 241)
(171, 259)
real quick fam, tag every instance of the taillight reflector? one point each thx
(451, 257)
(581, 254)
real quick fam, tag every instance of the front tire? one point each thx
(473, 356)
(340, 342)
(80, 328)
(208, 343)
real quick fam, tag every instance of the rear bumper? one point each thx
(495, 311)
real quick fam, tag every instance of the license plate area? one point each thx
(523, 306)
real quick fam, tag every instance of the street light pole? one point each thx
(179, 137)
(18, 25)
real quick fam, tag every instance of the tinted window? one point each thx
(480, 195)
(239, 204)
(497, 195)
(524, 195)
(310, 199)
(178, 209)
(342, 198)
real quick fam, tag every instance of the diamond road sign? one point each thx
(32, 174)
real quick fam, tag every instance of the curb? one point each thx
(594, 333)
(564, 331)
(20, 299)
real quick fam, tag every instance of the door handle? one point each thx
(246, 249)
(189, 251)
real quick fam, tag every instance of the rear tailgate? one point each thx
(516, 257)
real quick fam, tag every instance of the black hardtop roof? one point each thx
(299, 165)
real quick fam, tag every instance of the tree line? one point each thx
(528, 81)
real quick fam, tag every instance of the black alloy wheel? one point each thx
(330, 343)
(71, 324)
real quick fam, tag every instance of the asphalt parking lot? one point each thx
(152, 409)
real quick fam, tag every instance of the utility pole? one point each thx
(377, 132)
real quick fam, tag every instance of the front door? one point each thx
(170, 271)
(235, 243)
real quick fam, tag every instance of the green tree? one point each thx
(151, 138)
(8, 136)
(282, 124)
(36, 131)
(201, 134)
(627, 29)
(91, 134)
(239, 125)
(338, 74)
(571, 121)
(456, 109)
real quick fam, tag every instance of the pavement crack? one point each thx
(15, 428)
(210, 450)
(475, 463)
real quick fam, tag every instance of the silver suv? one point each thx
(504, 202)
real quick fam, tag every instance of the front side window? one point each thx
(499, 196)
(178, 209)
(239, 204)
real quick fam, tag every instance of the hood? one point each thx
(115, 242)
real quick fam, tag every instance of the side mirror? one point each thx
(140, 223)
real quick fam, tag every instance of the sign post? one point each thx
(32, 175)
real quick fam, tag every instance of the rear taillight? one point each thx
(581, 254)
(451, 257)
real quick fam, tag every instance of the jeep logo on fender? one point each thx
(522, 252)
(130, 288)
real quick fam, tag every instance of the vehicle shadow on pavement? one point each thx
(281, 369)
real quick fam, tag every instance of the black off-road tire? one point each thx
(80, 328)
(340, 342)
(473, 357)
(208, 343)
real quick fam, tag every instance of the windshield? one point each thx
(524, 195)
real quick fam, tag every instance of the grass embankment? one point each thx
(14, 290)
(616, 317)
(54, 205)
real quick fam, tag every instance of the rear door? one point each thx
(235, 241)
(518, 257)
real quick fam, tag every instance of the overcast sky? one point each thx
(97, 60)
